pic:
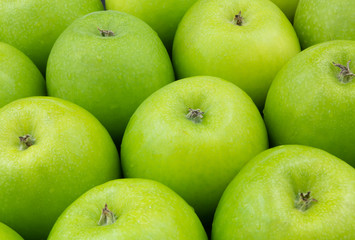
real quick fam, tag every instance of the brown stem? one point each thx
(345, 75)
(304, 201)
(195, 115)
(26, 141)
(107, 217)
(106, 33)
(238, 19)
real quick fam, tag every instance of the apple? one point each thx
(108, 62)
(319, 21)
(289, 192)
(19, 77)
(51, 152)
(245, 42)
(312, 100)
(32, 26)
(162, 15)
(193, 135)
(6, 233)
(129, 209)
(288, 7)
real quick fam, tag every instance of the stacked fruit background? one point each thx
(177, 119)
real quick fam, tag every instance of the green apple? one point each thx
(7, 233)
(128, 209)
(288, 7)
(245, 42)
(319, 21)
(162, 15)
(194, 135)
(32, 26)
(19, 77)
(108, 62)
(289, 192)
(312, 100)
(51, 152)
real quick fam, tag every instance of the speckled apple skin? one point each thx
(197, 160)
(33, 26)
(144, 210)
(19, 77)
(108, 76)
(72, 153)
(319, 21)
(260, 201)
(308, 105)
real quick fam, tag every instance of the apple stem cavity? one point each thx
(304, 201)
(345, 75)
(195, 115)
(106, 33)
(238, 19)
(107, 217)
(26, 141)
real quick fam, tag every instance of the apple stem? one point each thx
(107, 217)
(345, 75)
(106, 33)
(26, 141)
(238, 19)
(195, 115)
(304, 201)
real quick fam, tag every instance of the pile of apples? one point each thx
(177, 119)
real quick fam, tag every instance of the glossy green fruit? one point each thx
(311, 103)
(32, 26)
(289, 192)
(319, 21)
(128, 209)
(51, 152)
(108, 62)
(7, 233)
(194, 135)
(247, 49)
(19, 77)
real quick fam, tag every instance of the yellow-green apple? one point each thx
(32, 26)
(51, 152)
(6, 233)
(245, 42)
(319, 21)
(162, 15)
(19, 77)
(194, 135)
(108, 62)
(128, 209)
(312, 100)
(289, 192)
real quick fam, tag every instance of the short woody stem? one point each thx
(106, 33)
(107, 217)
(238, 19)
(304, 201)
(195, 115)
(26, 141)
(345, 75)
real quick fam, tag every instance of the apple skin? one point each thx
(308, 105)
(72, 153)
(319, 21)
(32, 26)
(288, 7)
(125, 68)
(260, 202)
(19, 77)
(6, 233)
(162, 15)
(208, 43)
(196, 160)
(144, 209)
